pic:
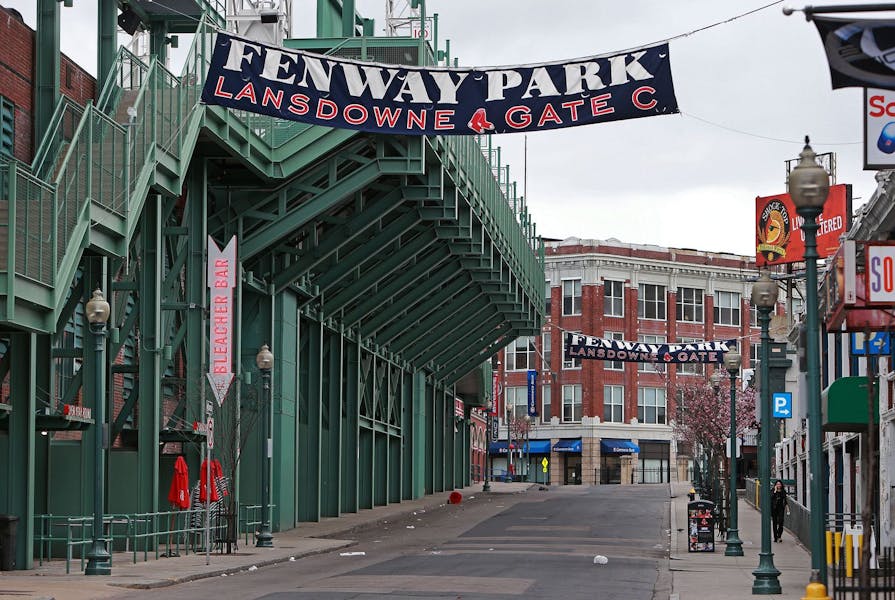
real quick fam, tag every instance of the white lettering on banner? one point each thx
(316, 73)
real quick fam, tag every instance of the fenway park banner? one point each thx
(398, 99)
(587, 346)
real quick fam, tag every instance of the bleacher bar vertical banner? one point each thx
(221, 276)
(532, 393)
(400, 99)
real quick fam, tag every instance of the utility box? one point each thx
(701, 526)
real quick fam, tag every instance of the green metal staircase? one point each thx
(362, 225)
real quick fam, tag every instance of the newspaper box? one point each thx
(701, 526)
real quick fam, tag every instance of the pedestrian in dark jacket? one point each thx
(779, 509)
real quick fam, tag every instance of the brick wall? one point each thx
(17, 60)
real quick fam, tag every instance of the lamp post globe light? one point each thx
(97, 310)
(734, 543)
(264, 360)
(808, 186)
(764, 298)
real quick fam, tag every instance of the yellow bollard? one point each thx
(815, 591)
(837, 540)
(829, 540)
(849, 565)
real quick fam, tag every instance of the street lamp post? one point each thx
(808, 186)
(99, 562)
(717, 378)
(764, 297)
(264, 360)
(734, 544)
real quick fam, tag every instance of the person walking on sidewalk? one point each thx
(779, 508)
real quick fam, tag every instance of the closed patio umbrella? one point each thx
(179, 493)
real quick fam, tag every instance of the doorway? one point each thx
(573, 469)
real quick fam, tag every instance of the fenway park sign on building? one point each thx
(588, 346)
(398, 99)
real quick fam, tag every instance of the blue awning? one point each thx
(538, 447)
(497, 448)
(568, 446)
(608, 446)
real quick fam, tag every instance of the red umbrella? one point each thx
(203, 483)
(217, 471)
(179, 494)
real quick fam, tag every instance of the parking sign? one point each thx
(782, 402)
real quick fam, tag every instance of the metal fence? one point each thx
(846, 584)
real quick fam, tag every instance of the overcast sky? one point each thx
(749, 90)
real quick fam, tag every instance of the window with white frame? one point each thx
(690, 304)
(651, 301)
(571, 297)
(548, 304)
(646, 367)
(516, 403)
(546, 408)
(521, 354)
(571, 404)
(570, 363)
(614, 403)
(753, 316)
(727, 308)
(546, 354)
(614, 298)
(651, 405)
(614, 365)
(690, 368)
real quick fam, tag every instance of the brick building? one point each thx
(606, 421)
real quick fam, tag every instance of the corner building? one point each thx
(611, 422)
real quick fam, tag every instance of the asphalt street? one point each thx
(537, 545)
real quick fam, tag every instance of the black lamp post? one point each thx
(99, 562)
(264, 360)
(734, 544)
(764, 297)
(808, 186)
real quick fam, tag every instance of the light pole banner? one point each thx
(587, 346)
(532, 393)
(401, 99)
(221, 277)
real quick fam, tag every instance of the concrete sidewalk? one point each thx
(711, 576)
(50, 581)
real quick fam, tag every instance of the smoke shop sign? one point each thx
(586, 346)
(399, 99)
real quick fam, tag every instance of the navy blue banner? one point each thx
(398, 99)
(532, 393)
(588, 346)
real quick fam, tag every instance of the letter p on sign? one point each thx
(782, 402)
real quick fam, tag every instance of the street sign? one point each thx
(544, 464)
(877, 343)
(739, 446)
(782, 403)
(495, 429)
(209, 433)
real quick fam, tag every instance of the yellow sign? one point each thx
(544, 464)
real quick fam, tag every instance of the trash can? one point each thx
(8, 524)
(701, 526)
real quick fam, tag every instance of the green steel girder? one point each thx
(446, 312)
(378, 241)
(415, 250)
(456, 373)
(430, 296)
(284, 221)
(447, 335)
(477, 338)
(398, 284)
(338, 237)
